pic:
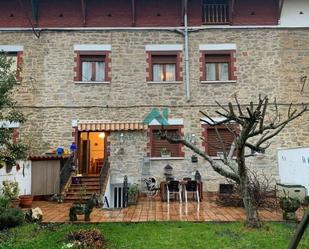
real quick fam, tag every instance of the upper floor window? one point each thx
(14, 54)
(217, 67)
(218, 63)
(92, 63)
(164, 68)
(92, 68)
(164, 63)
(216, 11)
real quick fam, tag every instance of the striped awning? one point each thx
(110, 126)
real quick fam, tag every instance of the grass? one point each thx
(158, 235)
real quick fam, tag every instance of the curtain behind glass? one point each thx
(210, 71)
(223, 71)
(86, 71)
(170, 70)
(100, 72)
(157, 71)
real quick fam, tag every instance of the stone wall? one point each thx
(268, 61)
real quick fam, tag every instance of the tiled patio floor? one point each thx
(149, 209)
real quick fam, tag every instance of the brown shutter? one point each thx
(217, 58)
(164, 59)
(158, 144)
(213, 141)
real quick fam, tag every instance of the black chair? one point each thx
(192, 186)
(173, 187)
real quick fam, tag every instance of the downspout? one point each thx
(187, 76)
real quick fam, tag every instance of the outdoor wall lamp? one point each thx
(121, 138)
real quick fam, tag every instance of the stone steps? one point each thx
(86, 184)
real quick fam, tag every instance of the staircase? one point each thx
(84, 189)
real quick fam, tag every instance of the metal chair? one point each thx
(192, 186)
(173, 187)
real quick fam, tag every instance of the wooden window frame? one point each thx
(227, 56)
(95, 56)
(93, 59)
(179, 131)
(19, 61)
(150, 62)
(206, 128)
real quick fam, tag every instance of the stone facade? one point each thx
(268, 61)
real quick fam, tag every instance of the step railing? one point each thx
(216, 14)
(66, 172)
(104, 174)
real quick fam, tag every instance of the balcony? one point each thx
(216, 14)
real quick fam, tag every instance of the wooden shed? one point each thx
(45, 173)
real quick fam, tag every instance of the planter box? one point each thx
(166, 155)
(133, 199)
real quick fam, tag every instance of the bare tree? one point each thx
(257, 124)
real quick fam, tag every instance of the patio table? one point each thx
(182, 183)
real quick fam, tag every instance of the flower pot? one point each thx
(26, 201)
(289, 207)
(15, 202)
(133, 198)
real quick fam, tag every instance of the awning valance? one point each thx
(111, 126)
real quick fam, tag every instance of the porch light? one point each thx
(193, 139)
(102, 135)
(121, 138)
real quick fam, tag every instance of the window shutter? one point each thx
(158, 144)
(213, 141)
(164, 59)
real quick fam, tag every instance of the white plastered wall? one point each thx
(22, 176)
(295, 13)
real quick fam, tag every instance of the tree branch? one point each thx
(216, 167)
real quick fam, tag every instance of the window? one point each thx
(15, 59)
(92, 68)
(216, 12)
(162, 147)
(218, 66)
(213, 145)
(164, 68)
(92, 63)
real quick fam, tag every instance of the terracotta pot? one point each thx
(15, 202)
(26, 201)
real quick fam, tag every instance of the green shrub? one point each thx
(4, 202)
(10, 217)
(10, 189)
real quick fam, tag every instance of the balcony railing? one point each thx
(215, 13)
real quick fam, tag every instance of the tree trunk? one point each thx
(252, 216)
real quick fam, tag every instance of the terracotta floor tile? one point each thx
(149, 209)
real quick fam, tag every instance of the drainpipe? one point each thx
(186, 53)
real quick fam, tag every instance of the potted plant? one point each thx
(133, 194)
(165, 152)
(289, 206)
(25, 201)
(10, 191)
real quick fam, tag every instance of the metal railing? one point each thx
(104, 173)
(216, 13)
(66, 172)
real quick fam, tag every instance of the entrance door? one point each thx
(92, 151)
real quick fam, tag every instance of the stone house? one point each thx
(93, 70)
